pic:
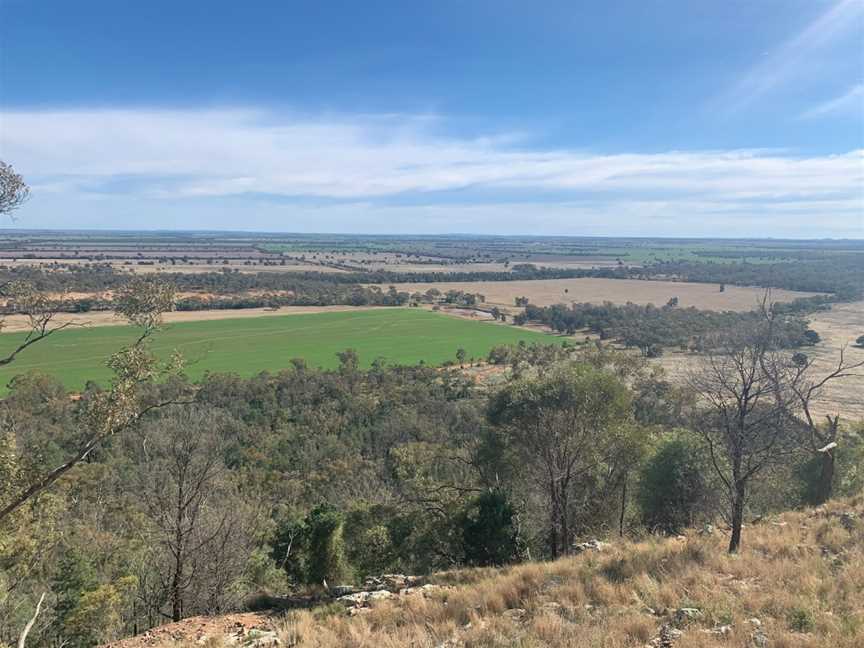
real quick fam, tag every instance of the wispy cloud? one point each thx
(785, 62)
(182, 156)
(850, 102)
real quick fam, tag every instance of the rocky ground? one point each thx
(797, 583)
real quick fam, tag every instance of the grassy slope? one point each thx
(247, 346)
(800, 574)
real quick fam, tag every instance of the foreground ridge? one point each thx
(797, 582)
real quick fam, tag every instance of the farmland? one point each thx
(248, 346)
(546, 292)
(187, 252)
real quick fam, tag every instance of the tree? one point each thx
(14, 192)
(488, 527)
(674, 491)
(820, 440)
(325, 546)
(461, 354)
(123, 404)
(759, 401)
(564, 425)
(744, 423)
(182, 487)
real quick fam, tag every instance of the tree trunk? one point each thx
(623, 507)
(737, 518)
(825, 486)
(176, 597)
(565, 522)
(554, 521)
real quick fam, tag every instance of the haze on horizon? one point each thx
(677, 119)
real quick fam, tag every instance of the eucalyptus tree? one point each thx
(565, 425)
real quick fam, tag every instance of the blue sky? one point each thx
(650, 117)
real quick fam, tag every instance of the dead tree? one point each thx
(744, 414)
(757, 401)
(821, 440)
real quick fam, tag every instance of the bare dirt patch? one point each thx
(16, 323)
(545, 292)
(199, 630)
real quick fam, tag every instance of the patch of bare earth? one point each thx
(17, 323)
(198, 630)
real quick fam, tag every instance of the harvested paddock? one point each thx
(545, 292)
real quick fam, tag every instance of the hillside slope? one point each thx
(799, 582)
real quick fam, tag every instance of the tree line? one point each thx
(651, 329)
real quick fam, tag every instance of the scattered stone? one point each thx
(342, 590)
(848, 520)
(254, 639)
(683, 616)
(364, 599)
(514, 614)
(756, 623)
(667, 637)
(552, 607)
(591, 545)
(760, 639)
(720, 630)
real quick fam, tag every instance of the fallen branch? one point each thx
(23, 638)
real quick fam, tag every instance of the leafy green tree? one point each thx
(461, 354)
(325, 546)
(674, 490)
(489, 532)
(565, 425)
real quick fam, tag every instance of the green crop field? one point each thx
(248, 346)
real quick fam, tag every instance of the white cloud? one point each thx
(125, 158)
(850, 102)
(785, 62)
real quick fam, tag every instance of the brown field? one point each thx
(545, 292)
(13, 323)
(404, 263)
(838, 328)
(152, 266)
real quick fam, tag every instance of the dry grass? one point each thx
(800, 574)
(545, 292)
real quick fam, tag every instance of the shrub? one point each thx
(674, 490)
(326, 546)
(488, 530)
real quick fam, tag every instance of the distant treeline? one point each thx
(841, 275)
(650, 329)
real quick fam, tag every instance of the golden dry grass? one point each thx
(801, 575)
(545, 292)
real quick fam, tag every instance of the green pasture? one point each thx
(251, 345)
